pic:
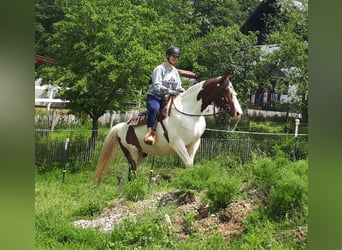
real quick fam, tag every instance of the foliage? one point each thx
(196, 178)
(289, 195)
(266, 126)
(188, 221)
(211, 177)
(136, 189)
(46, 13)
(103, 72)
(222, 191)
(285, 183)
(106, 71)
(147, 230)
(290, 31)
(265, 173)
(115, 45)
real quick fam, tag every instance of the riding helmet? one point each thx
(173, 51)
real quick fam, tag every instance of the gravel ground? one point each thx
(227, 222)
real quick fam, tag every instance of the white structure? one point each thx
(44, 95)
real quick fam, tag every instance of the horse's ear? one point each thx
(230, 77)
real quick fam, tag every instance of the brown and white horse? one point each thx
(184, 126)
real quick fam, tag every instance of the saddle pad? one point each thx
(140, 119)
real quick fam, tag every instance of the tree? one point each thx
(46, 13)
(104, 53)
(215, 13)
(290, 31)
(225, 50)
(246, 8)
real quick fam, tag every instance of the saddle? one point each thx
(164, 111)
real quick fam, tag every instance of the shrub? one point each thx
(289, 195)
(195, 178)
(265, 173)
(222, 191)
(90, 209)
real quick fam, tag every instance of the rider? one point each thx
(165, 81)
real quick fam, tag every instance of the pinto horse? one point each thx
(179, 133)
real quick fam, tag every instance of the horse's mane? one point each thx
(214, 80)
(208, 81)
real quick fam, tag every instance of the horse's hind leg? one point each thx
(131, 172)
(134, 158)
(134, 163)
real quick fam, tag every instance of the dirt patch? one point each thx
(192, 217)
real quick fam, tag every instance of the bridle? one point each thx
(196, 115)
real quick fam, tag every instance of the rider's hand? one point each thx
(173, 92)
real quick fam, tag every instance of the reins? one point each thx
(196, 115)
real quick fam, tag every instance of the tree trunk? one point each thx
(95, 128)
(92, 139)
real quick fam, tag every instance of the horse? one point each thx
(179, 132)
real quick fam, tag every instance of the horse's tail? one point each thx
(107, 154)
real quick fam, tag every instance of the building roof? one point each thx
(256, 21)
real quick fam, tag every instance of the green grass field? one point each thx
(278, 187)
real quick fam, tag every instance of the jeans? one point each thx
(153, 104)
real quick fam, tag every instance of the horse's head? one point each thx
(220, 91)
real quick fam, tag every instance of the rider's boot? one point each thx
(150, 137)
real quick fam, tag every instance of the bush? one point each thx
(222, 191)
(265, 173)
(289, 195)
(195, 178)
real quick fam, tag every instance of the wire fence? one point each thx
(240, 145)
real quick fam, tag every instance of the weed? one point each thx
(136, 189)
(188, 220)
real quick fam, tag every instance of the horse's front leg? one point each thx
(179, 147)
(192, 149)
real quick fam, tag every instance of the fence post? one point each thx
(151, 171)
(65, 158)
(297, 121)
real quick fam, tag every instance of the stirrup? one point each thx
(150, 137)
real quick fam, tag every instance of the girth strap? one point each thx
(166, 135)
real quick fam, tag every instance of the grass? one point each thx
(58, 204)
